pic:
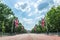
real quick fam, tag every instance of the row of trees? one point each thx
(52, 21)
(38, 28)
(6, 20)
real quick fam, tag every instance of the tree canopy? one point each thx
(6, 20)
(52, 21)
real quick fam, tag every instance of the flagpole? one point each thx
(12, 26)
(47, 27)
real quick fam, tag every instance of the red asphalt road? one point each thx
(31, 37)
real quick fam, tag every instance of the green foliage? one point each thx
(7, 22)
(53, 19)
(19, 29)
(3, 28)
(4, 14)
(39, 28)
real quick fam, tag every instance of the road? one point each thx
(31, 37)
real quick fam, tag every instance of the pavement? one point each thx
(31, 36)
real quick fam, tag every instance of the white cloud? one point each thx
(28, 7)
(19, 6)
(33, 13)
(16, 6)
(35, 5)
(30, 14)
(39, 1)
(56, 2)
(38, 17)
(28, 21)
(36, 12)
(32, 10)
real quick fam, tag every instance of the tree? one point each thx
(7, 20)
(53, 19)
(5, 11)
(38, 28)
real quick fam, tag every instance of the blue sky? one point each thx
(29, 12)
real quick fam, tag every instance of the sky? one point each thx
(29, 12)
